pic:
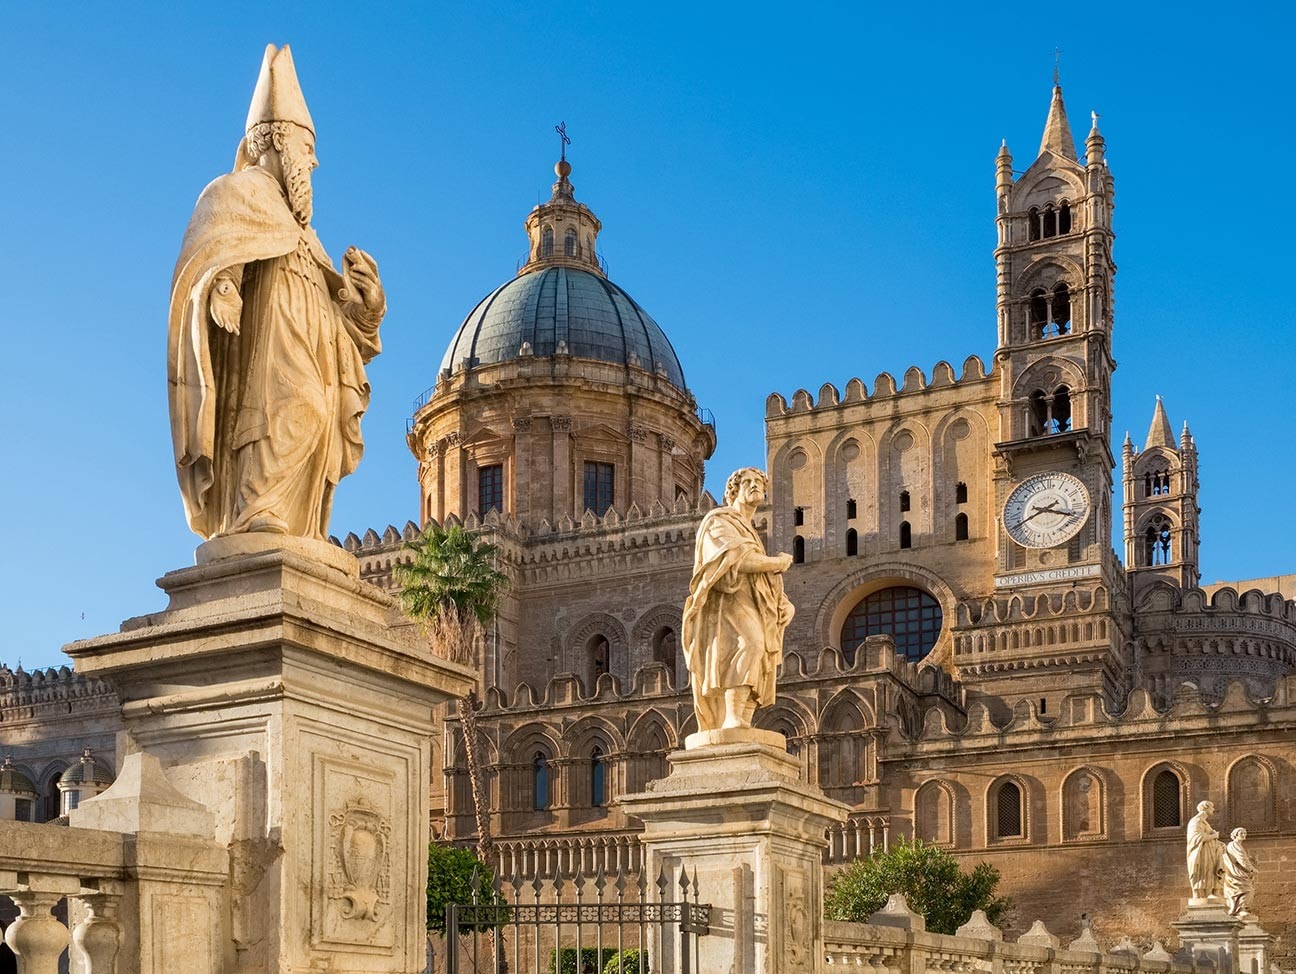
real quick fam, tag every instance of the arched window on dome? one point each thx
(569, 243)
(546, 242)
(908, 615)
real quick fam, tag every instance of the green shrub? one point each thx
(929, 877)
(450, 871)
(629, 961)
(590, 961)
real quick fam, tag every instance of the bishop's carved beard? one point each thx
(297, 182)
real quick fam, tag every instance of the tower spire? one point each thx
(1160, 433)
(1057, 130)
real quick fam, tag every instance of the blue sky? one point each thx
(815, 180)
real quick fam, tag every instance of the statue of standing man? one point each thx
(1205, 852)
(736, 610)
(267, 341)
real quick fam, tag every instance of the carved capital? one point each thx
(522, 424)
(561, 424)
(453, 439)
(638, 433)
(667, 442)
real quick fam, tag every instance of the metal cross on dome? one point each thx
(561, 129)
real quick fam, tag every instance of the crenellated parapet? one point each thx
(26, 694)
(884, 388)
(1078, 718)
(1189, 637)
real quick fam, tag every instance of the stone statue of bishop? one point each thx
(267, 340)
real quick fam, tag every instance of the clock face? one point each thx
(1046, 510)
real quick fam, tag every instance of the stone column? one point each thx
(736, 812)
(452, 475)
(278, 692)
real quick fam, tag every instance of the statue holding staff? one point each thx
(267, 340)
(736, 611)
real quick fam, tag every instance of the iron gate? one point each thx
(576, 923)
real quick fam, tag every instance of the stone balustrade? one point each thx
(117, 887)
(857, 838)
(42, 865)
(610, 853)
(894, 941)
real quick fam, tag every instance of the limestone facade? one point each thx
(1020, 703)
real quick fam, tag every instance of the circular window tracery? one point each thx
(909, 615)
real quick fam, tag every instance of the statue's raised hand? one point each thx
(362, 271)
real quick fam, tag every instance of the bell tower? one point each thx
(1054, 357)
(1161, 513)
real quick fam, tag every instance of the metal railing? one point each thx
(578, 923)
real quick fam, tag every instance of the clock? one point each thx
(1046, 510)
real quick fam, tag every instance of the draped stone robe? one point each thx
(733, 620)
(264, 422)
(1204, 854)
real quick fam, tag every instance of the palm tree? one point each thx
(452, 589)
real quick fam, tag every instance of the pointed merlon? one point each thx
(1057, 130)
(1160, 433)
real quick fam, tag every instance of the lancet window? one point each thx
(598, 778)
(1156, 483)
(798, 550)
(665, 647)
(852, 542)
(1009, 822)
(961, 527)
(540, 781)
(906, 535)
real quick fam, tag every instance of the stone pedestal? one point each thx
(1254, 945)
(1207, 930)
(738, 814)
(279, 691)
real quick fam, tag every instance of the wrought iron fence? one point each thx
(572, 923)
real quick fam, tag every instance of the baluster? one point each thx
(98, 935)
(36, 937)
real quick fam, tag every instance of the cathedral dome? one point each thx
(559, 309)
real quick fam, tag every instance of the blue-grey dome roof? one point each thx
(592, 315)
